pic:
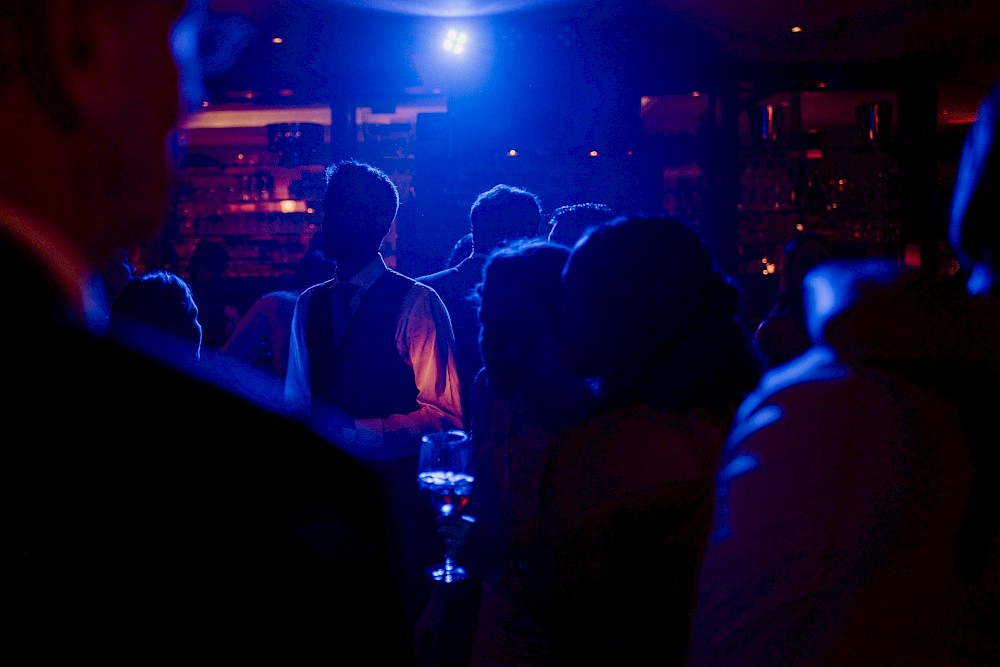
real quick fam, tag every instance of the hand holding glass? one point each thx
(445, 472)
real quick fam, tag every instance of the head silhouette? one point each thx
(568, 223)
(358, 209)
(158, 303)
(501, 214)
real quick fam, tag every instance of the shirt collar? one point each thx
(367, 276)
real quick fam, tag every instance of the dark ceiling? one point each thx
(383, 49)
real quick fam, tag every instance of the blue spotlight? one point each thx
(455, 41)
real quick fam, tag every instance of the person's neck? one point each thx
(348, 268)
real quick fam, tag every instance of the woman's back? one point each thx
(627, 498)
(627, 518)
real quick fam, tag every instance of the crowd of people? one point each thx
(657, 481)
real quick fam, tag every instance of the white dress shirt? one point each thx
(425, 341)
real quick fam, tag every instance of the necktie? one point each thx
(343, 296)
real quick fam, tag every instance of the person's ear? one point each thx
(65, 45)
(32, 52)
(87, 46)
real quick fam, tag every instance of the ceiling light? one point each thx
(455, 41)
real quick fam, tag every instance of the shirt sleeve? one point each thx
(426, 341)
(297, 396)
(249, 332)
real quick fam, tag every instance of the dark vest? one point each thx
(364, 376)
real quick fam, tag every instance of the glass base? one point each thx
(448, 573)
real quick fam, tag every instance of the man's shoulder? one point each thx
(280, 296)
(434, 294)
(455, 282)
(439, 276)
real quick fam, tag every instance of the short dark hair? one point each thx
(363, 194)
(504, 213)
(568, 223)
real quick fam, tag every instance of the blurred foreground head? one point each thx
(90, 94)
(975, 209)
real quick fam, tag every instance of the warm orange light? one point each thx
(796, 28)
(288, 205)
(593, 153)
(277, 40)
(512, 152)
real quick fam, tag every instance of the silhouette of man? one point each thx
(372, 357)
(501, 214)
(371, 361)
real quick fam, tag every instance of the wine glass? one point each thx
(445, 472)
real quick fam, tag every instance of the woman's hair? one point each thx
(157, 301)
(363, 194)
(670, 328)
(519, 300)
(530, 266)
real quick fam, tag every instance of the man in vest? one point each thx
(372, 357)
